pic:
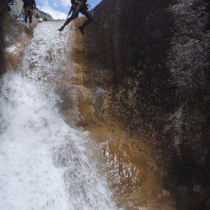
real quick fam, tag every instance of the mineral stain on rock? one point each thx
(152, 61)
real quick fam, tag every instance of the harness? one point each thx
(81, 4)
(28, 4)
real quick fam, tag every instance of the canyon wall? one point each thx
(148, 63)
(12, 33)
(151, 59)
(3, 8)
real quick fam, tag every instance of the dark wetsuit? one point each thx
(73, 6)
(28, 6)
(78, 7)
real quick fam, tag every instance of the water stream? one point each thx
(43, 161)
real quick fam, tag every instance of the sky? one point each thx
(59, 9)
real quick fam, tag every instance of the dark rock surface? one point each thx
(3, 8)
(153, 59)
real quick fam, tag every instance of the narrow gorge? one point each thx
(117, 118)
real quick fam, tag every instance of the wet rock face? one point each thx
(3, 8)
(12, 29)
(15, 36)
(152, 57)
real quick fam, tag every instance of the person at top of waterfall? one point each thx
(78, 7)
(29, 7)
(9, 4)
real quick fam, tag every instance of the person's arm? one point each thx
(34, 5)
(71, 9)
(23, 4)
(10, 3)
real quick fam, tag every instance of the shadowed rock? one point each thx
(3, 8)
(152, 58)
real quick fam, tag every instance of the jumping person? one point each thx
(77, 7)
(29, 6)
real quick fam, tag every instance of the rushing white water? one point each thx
(43, 161)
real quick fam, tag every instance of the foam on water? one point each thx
(43, 161)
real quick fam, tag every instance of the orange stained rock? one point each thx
(132, 173)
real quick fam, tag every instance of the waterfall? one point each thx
(43, 161)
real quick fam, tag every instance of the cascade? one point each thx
(43, 161)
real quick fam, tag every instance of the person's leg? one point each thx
(74, 15)
(8, 8)
(30, 15)
(26, 15)
(89, 21)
